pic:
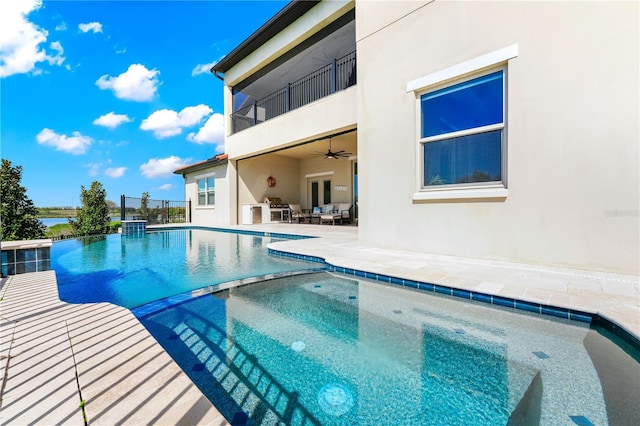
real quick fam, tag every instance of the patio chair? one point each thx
(298, 214)
(344, 209)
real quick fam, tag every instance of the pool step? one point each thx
(245, 381)
(159, 305)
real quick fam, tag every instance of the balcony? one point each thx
(338, 75)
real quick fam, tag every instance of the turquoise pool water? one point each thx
(133, 270)
(329, 349)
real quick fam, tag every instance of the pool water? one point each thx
(325, 348)
(329, 349)
(133, 270)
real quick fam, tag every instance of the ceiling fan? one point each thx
(334, 155)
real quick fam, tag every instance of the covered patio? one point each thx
(320, 171)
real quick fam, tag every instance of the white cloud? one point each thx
(136, 84)
(21, 40)
(76, 144)
(211, 132)
(61, 26)
(165, 122)
(111, 120)
(163, 167)
(165, 187)
(96, 27)
(115, 172)
(203, 68)
(58, 59)
(94, 168)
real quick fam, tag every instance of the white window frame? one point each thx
(205, 177)
(465, 71)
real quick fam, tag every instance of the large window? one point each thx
(462, 132)
(207, 191)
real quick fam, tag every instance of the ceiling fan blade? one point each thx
(330, 154)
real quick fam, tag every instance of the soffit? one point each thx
(338, 43)
(289, 14)
(201, 165)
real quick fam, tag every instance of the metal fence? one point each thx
(338, 75)
(155, 211)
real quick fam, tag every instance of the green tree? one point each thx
(93, 216)
(18, 215)
(144, 206)
(113, 207)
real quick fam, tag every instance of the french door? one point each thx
(319, 191)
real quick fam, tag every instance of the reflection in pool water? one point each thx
(133, 270)
(328, 349)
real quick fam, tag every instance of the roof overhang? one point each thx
(289, 14)
(218, 160)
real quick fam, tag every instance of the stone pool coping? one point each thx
(609, 299)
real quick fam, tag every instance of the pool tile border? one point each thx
(522, 305)
(507, 302)
(234, 231)
(161, 305)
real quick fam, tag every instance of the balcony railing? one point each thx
(338, 75)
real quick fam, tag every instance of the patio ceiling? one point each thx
(346, 142)
(336, 45)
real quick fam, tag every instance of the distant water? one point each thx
(50, 221)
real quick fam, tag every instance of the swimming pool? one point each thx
(328, 348)
(133, 270)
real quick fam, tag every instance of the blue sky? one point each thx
(115, 91)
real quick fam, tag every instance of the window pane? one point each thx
(327, 192)
(211, 198)
(473, 158)
(314, 194)
(463, 106)
(201, 185)
(210, 183)
(201, 199)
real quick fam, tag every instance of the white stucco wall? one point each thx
(210, 215)
(572, 126)
(253, 174)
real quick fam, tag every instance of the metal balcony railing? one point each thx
(338, 75)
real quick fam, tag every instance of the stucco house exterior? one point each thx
(207, 189)
(492, 130)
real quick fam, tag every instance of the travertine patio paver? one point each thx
(614, 296)
(125, 376)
